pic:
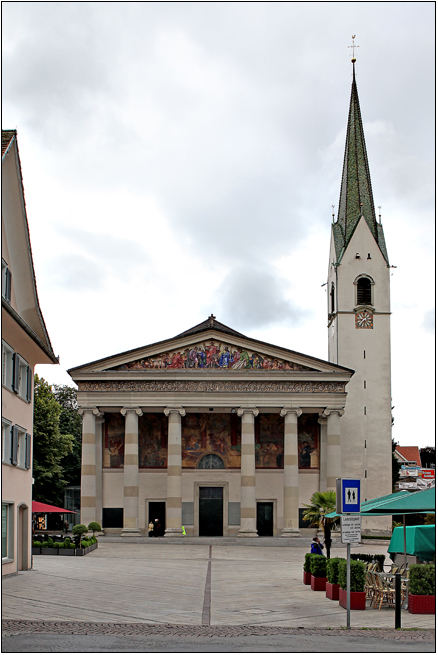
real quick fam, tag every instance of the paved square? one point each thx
(162, 583)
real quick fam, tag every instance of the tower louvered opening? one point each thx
(364, 291)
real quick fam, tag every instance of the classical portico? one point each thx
(210, 430)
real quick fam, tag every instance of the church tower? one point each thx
(359, 319)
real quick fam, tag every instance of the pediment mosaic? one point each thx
(211, 354)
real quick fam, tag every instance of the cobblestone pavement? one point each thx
(10, 628)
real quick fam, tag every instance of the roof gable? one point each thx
(209, 345)
(409, 453)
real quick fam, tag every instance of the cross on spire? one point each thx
(353, 46)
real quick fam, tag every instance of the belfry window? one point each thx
(364, 291)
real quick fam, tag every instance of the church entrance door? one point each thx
(265, 519)
(211, 511)
(157, 510)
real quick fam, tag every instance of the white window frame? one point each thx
(21, 455)
(7, 366)
(22, 378)
(6, 441)
(6, 281)
(8, 511)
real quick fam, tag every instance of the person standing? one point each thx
(316, 547)
(151, 529)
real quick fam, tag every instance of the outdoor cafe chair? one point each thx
(385, 593)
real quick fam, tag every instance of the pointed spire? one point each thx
(356, 197)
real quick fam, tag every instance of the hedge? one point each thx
(333, 570)
(365, 557)
(357, 575)
(307, 559)
(422, 579)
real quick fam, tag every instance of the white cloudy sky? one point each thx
(181, 159)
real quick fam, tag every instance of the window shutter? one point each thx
(16, 373)
(14, 445)
(29, 384)
(28, 441)
(8, 285)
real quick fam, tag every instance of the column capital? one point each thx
(175, 410)
(126, 410)
(291, 410)
(322, 420)
(93, 410)
(247, 410)
(333, 410)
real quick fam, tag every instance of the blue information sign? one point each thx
(350, 496)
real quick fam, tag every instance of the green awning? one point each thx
(419, 501)
(402, 502)
(420, 541)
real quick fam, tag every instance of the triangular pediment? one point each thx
(210, 346)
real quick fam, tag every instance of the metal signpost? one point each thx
(348, 504)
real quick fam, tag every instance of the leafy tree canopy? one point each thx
(70, 422)
(50, 446)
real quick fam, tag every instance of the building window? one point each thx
(211, 461)
(364, 291)
(6, 441)
(8, 357)
(22, 378)
(6, 282)
(7, 532)
(332, 299)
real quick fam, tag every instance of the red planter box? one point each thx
(421, 604)
(332, 591)
(318, 584)
(357, 599)
(306, 577)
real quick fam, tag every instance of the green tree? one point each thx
(321, 503)
(50, 446)
(70, 422)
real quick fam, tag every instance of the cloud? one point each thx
(114, 251)
(428, 323)
(74, 273)
(252, 297)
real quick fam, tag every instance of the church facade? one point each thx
(227, 435)
(212, 430)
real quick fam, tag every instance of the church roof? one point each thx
(210, 323)
(356, 196)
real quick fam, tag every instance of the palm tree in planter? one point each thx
(322, 503)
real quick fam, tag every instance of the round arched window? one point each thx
(211, 461)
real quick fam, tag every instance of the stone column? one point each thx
(291, 487)
(323, 453)
(174, 473)
(99, 498)
(333, 445)
(248, 527)
(88, 468)
(130, 472)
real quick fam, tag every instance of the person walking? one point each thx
(156, 528)
(316, 547)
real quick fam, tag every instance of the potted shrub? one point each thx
(307, 575)
(319, 572)
(48, 548)
(78, 531)
(67, 549)
(332, 584)
(36, 548)
(357, 584)
(422, 589)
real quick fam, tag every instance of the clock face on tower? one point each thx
(364, 319)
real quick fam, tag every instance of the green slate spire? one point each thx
(356, 197)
